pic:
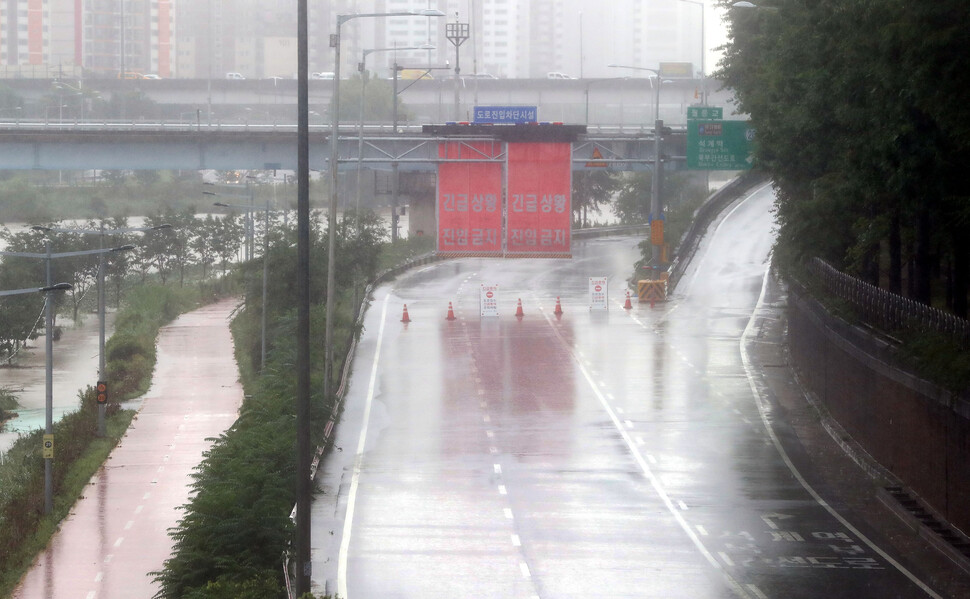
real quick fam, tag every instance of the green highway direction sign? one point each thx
(716, 145)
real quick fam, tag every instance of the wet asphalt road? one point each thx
(599, 454)
(117, 533)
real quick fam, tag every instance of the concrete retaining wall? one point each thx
(917, 431)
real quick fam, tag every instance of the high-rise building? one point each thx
(60, 37)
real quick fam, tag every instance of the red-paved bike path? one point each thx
(118, 532)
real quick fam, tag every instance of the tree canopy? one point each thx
(861, 109)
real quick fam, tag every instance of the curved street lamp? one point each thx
(102, 370)
(656, 203)
(362, 68)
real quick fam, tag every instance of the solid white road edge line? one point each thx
(762, 409)
(355, 479)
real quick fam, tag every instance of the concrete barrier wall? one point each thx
(917, 431)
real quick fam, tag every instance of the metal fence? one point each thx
(888, 311)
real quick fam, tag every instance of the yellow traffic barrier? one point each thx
(652, 290)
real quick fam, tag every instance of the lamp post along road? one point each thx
(102, 252)
(47, 256)
(703, 51)
(362, 69)
(249, 210)
(656, 203)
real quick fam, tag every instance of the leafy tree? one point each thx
(591, 189)
(861, 108)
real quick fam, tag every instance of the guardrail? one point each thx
(888, 311)
(702, 219)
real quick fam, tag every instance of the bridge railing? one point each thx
(192, 124)
(887, 311)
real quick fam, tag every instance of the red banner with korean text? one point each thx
(539, 184)
(469, 205)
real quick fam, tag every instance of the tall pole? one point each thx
(303, 483)
(262, 328)
(457, 33)
(49, 385)
(656, 204)
(102, 374)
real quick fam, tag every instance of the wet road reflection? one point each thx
(118, 532)
(600, 454)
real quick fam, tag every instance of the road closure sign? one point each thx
(489, 300)
(598, 293)
(717, 145)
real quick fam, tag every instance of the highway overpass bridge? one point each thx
(620, 101)
(157, 146)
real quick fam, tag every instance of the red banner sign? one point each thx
(539, 183)
(469, 202)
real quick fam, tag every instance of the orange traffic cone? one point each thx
(518, 310)
(405, 319)
(558, 310)
(451, 312)
(627, 305)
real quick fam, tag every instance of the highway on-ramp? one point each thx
(596, 453)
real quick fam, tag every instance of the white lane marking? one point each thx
(701, 530)
(139, 509)
(487, 418)
(763, 410)
(146, 495)
(108, 558)
(525, 570)
(502, 490)
(355, 479)
(99, 577)
(757, 592)
(508, 513)
(498, 468)
(724, 556)
(493, 450)
(119, 541)
(628, 423)
(516, 541)
(610, 397)
(91, 595)
(683, 506)
(648, 473)
(490, 434)
(652, 459)
(639, 440)
(129, 524)
(618, 410)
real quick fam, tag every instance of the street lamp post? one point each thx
(362, 68)
(656, 203)
(47, 256)
(102, 252)
(703, 51)
(48, 381)
(250, 243)
(249, 215)
(303, 412)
